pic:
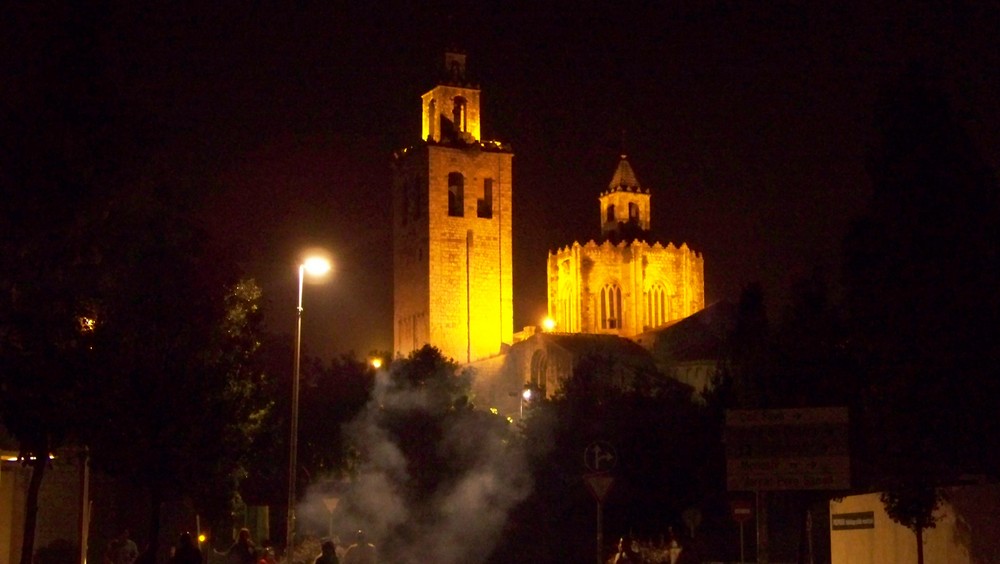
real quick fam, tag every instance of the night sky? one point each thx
(750, 122)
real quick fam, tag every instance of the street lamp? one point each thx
(313, 266)
(525, 396)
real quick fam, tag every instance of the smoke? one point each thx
(456, 519)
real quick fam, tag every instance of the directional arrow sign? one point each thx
(600, 457)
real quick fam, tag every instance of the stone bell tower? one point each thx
(452, 280)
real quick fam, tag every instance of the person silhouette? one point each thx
(361, 552)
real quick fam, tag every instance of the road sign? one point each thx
(599, 485)
(600, 456)
(741, 510)
(787, 449)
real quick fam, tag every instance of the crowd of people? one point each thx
(245, 551)
(123, 550)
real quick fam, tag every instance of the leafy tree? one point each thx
(435, 477)
(669, 460)
(175, 341)
(912, 505)
(67, 140)
(332, 396)
(924, 292)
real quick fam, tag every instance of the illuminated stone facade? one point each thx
(624, 285)
(453, 283)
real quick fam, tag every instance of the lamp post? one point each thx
(314, 266)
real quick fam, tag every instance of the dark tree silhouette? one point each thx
(67, 140)
(669, 460)
(922, 285)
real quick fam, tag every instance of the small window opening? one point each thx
(458, 113)
(484, 206)
(611, 213)
(456, 197)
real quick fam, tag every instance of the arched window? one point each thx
(611, 213)
(432, 119)
(458, 113)
(656, 306)
(456, 194)
(539, 369)
(611, 307)
(484, 205)
(633, 211)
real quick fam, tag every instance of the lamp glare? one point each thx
(316, 266)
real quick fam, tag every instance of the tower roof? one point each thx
(624, 176)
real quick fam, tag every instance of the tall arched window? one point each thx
(456, 194)
(610, 213)
(656, 306)
(432, 119)
(539, 370)
(633, 211)
(611, 307)
(458, 113)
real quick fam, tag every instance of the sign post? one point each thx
(600, 458)
(786, 450)
(599, 485)
(741, 512)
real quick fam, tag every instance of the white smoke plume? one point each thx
(462, 519)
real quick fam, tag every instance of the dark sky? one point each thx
(750, 123)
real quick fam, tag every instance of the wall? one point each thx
(577, 273)
(967, 531)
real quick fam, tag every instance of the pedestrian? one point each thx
(361, 552)
(329, 554)
(243, 550)
(186, 551)
(267, 556)
(125, 551)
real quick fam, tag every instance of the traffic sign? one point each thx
(741, 510)
(600, 456)
(599, 485)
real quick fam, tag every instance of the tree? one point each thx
(176, 343)
(333, 395)
(67, 139)
(669, 460)
(435, 477)
(912, 505)
(923, 287)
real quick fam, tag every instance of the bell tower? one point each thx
(625, 204)
(452, 279)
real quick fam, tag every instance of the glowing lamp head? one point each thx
(316, 266)
(548, 324)
(201, 537)
(526, 394)
(376, 363)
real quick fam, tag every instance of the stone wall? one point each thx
(577, 274)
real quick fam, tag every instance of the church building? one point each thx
(452, 250)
